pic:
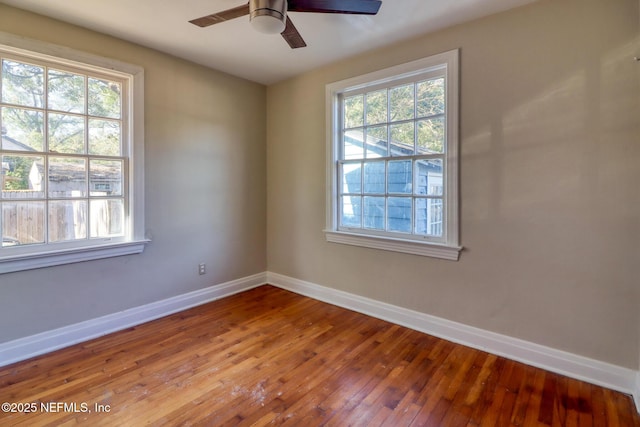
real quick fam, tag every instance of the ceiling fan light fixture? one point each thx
(268, 16)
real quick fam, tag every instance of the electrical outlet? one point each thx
(202, 268)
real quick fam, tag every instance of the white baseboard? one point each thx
(45, 342)
(636, 392)
(571, 365)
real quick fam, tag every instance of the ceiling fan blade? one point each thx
(292, 36)
(225, 15)
(360, 7)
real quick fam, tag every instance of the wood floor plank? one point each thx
(271, 357)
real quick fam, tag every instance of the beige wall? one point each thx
(205, 199)
(550, 144)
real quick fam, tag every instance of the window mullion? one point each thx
(413, 215)
(45, 149)
(86, 152)
(361, 194)
(46, 197)
(88, 190)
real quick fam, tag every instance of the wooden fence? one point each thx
(23, 221)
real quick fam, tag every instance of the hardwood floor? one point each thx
(268, 356)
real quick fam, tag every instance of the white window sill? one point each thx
(433, 250)
(67, 256)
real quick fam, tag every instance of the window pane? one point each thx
(67, 177)
(22, 223)
(430, 97)
(353, 144)
(66, 91)
(431, 135)
(105, 177)
(401, 102)
(377, 145)
(402, 139)
(22, 84)
(399, 179)
(376, 107)
(429, 217)
(353, 111)
(351, 178)
(107, 218)
(104, 137)
(104, 98)
(399, 214)
(23, 177)
(67, 220)
(374, 177)
(374, 212)
(351, 211)
(429, 177)
(22, 130)
(66, 133)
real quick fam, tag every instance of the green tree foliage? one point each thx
(23, 89)
(17, 177)
(104, 137)
(376, 107)
(401, 103)
(65, 91)
(104, 98)
(22, 84)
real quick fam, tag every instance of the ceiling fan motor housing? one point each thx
(263, 12)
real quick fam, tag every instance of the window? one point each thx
(393, 158)
(71, 155)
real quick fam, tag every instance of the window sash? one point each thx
(415, 198)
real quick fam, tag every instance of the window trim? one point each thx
(135, 241)
(450, 248)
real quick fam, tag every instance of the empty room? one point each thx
(320, 212)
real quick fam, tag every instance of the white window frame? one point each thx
(28, 257)
(448, 246)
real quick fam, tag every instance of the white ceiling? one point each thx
(234, 47)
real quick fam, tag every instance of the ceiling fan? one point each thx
(270, 16)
